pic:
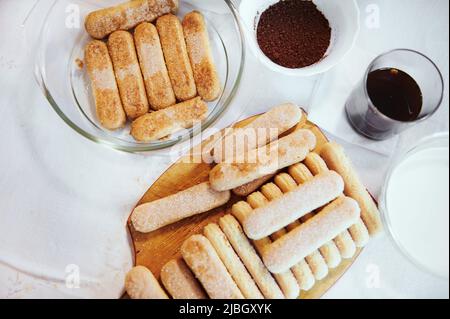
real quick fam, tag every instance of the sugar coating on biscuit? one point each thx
(180, 282)
(141, 284)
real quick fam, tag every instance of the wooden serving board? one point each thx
(155, 249)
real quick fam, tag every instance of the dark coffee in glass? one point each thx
(400, 88)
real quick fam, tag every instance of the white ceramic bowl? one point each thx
(343, 16)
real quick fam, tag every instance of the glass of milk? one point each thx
(415, 204)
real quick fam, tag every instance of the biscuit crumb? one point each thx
(79, 63)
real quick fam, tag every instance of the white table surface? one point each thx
(64, 200)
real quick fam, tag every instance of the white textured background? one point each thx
(64, 200)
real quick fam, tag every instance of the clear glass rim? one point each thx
(375, 109)
(154, 146)
(397, 160)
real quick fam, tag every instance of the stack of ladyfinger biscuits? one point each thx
(141, 75)
(305, 211)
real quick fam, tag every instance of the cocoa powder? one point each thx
(294, 33)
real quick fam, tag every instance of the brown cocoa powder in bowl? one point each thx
(294, 33)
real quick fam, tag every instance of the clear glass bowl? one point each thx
(55, 34)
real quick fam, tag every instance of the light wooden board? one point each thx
(155, 249)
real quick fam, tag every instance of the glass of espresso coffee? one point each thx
(400, 88)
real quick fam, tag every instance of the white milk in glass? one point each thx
(417, 204)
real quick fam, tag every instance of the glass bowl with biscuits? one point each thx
(140, 75)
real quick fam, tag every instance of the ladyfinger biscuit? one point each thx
(168, 210)
(266, 283)
(180, 282)
(300, 174)
(200, 55)
(108, 105)
(314, 260)
(358, 232)
(318, 269)
(301, 271)
(286, 280)
(329, 251)
(177, 59)
(299, 243)
(249, 188)
(304, 275)
(335, 157)
(204, 262)
(141, 284)
(279, 120)
(127, 15)
(344, 241)
(241, 210)
(151, 58)
(315, 164)
(128, 74)
(263, 161)
(162, 123)
(234, 265)
(281, 212)
(271, 191)
(317, 264)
